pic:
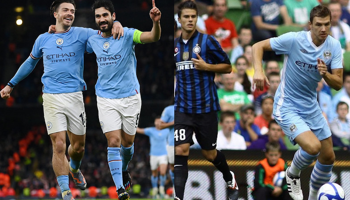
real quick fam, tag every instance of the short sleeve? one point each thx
(148, 131)
(255, 9)
(256, 129)
(337, 60)
(165, 116)
(216, 52)
(91, 32)
(283, 44)
(37, 48)
(88, 46)
(280, 3)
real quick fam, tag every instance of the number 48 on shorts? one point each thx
(180, 135)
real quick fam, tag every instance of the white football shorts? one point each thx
(116, 114)
(155, 161)
(171, 152)
(64, 111)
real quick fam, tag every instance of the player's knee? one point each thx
(181, 151)
(313, 148)
(114, 142)
(79, 147)
(59, 147)
(209, 155)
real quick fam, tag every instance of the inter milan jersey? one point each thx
(195, 90)
(63, 55)
(300, 75)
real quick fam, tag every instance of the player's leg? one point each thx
(111, 122)
(130, 108)
(76, 124)
(206, 134)
(171, 158)
(162, 170)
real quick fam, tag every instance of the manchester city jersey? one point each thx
(300, 76)
(116, 65)
(168, 116)
(157, 139)
(63, 55)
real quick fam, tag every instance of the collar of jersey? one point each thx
(193, 36)
(63, 31)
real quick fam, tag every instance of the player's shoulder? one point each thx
(332, 41)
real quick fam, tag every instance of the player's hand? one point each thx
(52, 29)
(199, 63)
(321, 66)
(117, 30)
(259, 79)
(155, 13)
(5, 92)
(277, 191)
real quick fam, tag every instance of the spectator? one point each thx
(244, 38)
(345, 15)
(325, 101)
(243, 82)
(227, 138)
(221, 28)
(339, 29)
(343, 94)
(248, 53)
(340, 126)
(274, 79)
(299, 10)
(262, 121)
(273, 135)
(230, 99)
(264, 188)
(270, 66)
(245, 126)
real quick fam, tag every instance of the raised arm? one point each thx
(258, 51)
(154, 34)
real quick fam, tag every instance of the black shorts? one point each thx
(204, 126)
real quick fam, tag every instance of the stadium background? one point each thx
(25, 147)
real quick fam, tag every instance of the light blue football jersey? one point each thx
(299, 76)
(116, 65)
(63, 56)
(158, 140)
(168, 116)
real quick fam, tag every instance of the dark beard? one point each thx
(109, 28)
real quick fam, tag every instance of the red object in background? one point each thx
(92, 191)
(41, 193)
(144, 5)
(53, 192)
(12, 47)
(112, 192)
(75, 192)
(169, 191)
(11, 192)
(16, 157)
(10, 101)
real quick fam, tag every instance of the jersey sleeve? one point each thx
(283, 44)
(88, 46)
(255, 9)
(37, 48)
(165, 116)
(90, 32)
(337, 60)
(148, 131)
(216, 52)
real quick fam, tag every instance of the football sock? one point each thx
(320, 175)
(162, 180)
(171, 175)
(63, 182)
(221, 164)
(181, 174)
(115, 166)
(74, 165)
(127, 153)
(154, 180)
(300, 161)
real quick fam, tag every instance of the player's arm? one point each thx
(258, 52)
(140, 130)
(163, 125)
(154, 34)
(26, 68)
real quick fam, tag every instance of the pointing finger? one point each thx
(198, 56)
(153, 4)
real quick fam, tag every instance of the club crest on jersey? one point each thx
(293, 128)
(196, 49)
(59, 41)
(185, 55)
(49, 125)
(176, 49)
(106, 45)
(327, 55)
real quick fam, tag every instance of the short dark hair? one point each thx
(272, 122)
(107, 4)
(187, 5)
(55, 4)
(272, 146)
(266, 97)
(243, 27)
(273, 74)
(225, 114)
(320, 11)
(242, 57)
(342, 103)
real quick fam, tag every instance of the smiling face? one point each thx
(65, 14)
(104, 19)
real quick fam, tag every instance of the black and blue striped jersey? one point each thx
(195, 90)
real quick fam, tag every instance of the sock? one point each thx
(162, 180)
(171, 175)
(74, 165)
(181, 174)
(154, 180)
(63, 182)
(300, 161)
(221, 164)
(127, 153)
(320, 175)
(115, 166)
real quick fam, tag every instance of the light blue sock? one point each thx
(127, 153)
(75, 164)
(115, 166)
(162, 180)
(63, 182)
(171, 175)
(301, 161)
(320, 175)
(154, 180)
